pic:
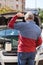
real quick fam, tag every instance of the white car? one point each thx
(39, 55)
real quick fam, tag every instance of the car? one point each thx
(8, 57)
(39, 54)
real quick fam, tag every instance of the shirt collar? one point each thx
(30, 21)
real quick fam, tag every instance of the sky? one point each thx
(34, 4)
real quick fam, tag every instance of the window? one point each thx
(0, 5)
(17, 6)
(2, 20)
(16, 0)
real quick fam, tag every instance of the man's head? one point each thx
(29, 16)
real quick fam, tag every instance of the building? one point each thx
(17, 5)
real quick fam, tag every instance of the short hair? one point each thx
(29, 15)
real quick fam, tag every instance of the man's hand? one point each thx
(20, 15)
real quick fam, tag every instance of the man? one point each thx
(29, 38)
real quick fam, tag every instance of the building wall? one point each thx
(18, 5)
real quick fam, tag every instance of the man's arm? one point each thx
(39, 42)
(13, 20)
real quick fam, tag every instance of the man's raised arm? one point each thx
(13, 20)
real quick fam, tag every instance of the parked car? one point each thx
(39, 54)
(13, 36)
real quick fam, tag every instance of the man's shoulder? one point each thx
(38, 27)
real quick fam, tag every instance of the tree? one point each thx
(41, 15)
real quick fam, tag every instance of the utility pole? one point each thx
(35, 4)
(23, 5)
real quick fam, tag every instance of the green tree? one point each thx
(41, 15)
